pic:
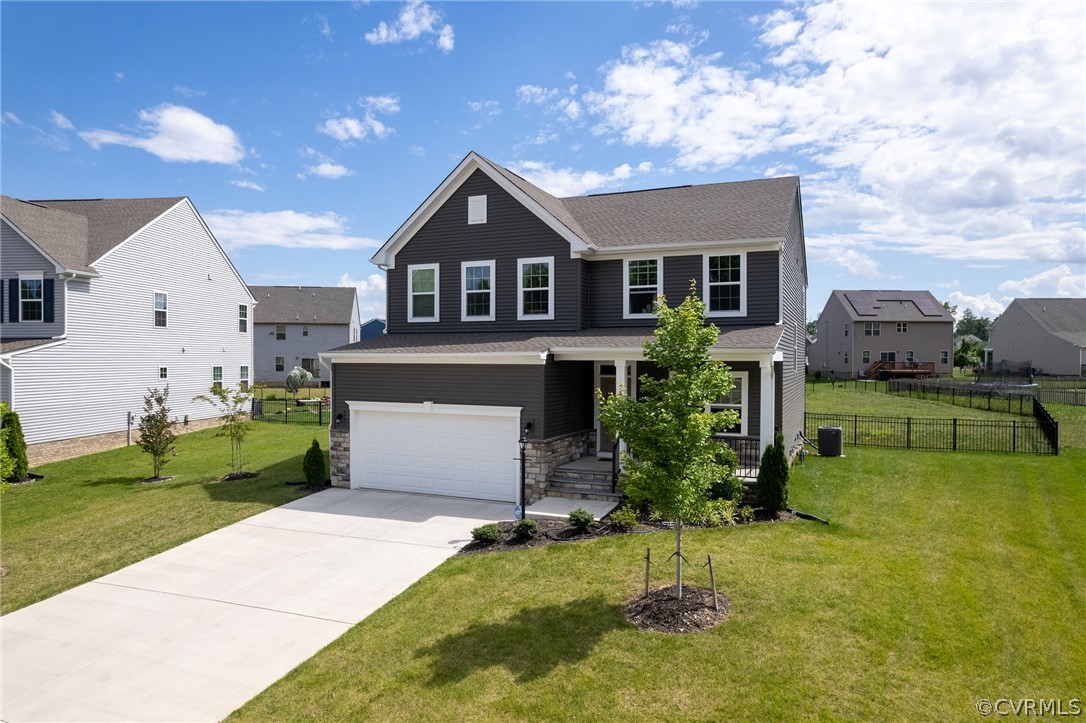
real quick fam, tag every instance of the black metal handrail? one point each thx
(614, 466)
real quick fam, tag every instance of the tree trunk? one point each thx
(679, 558)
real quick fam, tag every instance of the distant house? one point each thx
(104, 298)
(372, 328)
(1049, 334)
(868, 334)
(294, 324)
(971, 338)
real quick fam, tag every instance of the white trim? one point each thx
(248, 321)
(744, 405)
(527, 358)
(155, 309)
(670, 249)
(767, 405)
(638, 354)
(521, 316)
(742, 311)
(476, 209)
(164, 369)
(436, 268)
(32, 276)
(464, 290)
(865, 356)
(626, 314)
(469, 410)
(18, 352)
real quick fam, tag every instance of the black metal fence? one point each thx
(1013, 399)
(957, 435)
(749, 452)
(291, 411)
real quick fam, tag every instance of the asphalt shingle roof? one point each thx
(303, 304)
(893, 305)
(1066, 318)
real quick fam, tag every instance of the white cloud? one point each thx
(381, 103)
(536, 94)
(325, 27)
(857, 263)
(415, 20)
(236, 229)
(567, 182)
(9, 116)
(248, 184)
(371, 293)
(417, 151)
(189, 92)
(349, 129)
(488, 108)
(118, 76)
(982, 305)
(40, 136)
(1061, 281)
(329, 170)
(60, 121)
(175, 133)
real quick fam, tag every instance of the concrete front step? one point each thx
(599, 496)
(558, 508)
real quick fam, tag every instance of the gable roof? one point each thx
(758, 210)
(76, 233)
(1065, 318)
(303, 304)
(892, 305)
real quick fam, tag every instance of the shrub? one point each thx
(313, 465)
(746, 514)
(486, 534)
(624, 518)
(720, 513)
(14, 449)
(156, 429)
(772, 485)
(729, 486)
(581, 519)
(525, 530)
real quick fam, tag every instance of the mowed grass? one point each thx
(826, 398)
(91, 515)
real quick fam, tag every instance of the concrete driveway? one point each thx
(195, 632)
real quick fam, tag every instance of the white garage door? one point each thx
(439, 449)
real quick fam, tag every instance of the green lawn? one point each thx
(826, 398)
(91, 516)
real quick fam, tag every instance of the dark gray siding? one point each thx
(605, 296)
(510, 233)
(497, 385)
(763, 290)
(586, 296)
(791, 396)
(568, 398)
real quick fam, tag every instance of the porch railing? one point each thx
(749, 452)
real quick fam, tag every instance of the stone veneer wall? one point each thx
(45, 452)
(543, 456)
(339, 456)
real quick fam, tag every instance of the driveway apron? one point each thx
(193, 633)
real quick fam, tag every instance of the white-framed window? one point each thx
(280, 363)
(477, 291)
(423, 289)
(305, 329)
(216, 377)
(243, 319)
(476, 209)
(902, 327)
(31, 296)
(725, 284)
(910, 356)
(872, 328)
(642, 281)
(866, 356)
(535, 288)
(163, 373)
(160, 309)
(313, 366)
(243, 378)
(944, 357)
(846, 329)
(736, 400)
(280, 332)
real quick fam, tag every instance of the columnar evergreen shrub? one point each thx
(313, 465)
(14, 446)
(773, 477)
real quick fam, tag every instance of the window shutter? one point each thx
(13, 300)
(47, 301)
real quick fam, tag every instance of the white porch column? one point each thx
(767, 391)
(621, 371)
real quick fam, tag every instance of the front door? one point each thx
(606, 382)
(888, 356)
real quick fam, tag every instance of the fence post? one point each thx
(908, 433)
(955, 434)
(1014, 435)
(855, 427)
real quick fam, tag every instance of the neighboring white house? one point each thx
(1050, 334)
(294, 324)
(103, 299)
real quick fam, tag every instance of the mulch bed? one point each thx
(153, 480)
(235, 476)
(30, 478)
(662, 612)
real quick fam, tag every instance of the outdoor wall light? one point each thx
(528, 427)
(339, 418)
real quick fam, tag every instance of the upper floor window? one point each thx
(243, 318)
(724, 285)
(642, 286)
(31, 298)
(872, 328)
(422, 292)
(216, 377)
(902, 327)
(735, 400)
(280, 332)
(477, 291)
(305, 329)
(535, 288)
(846, 329)
(476, 209)
(160, 309)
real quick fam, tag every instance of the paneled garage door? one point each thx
(440, 449)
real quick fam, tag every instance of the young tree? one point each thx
(967, 354)
(772, 485)
(233, 408)
(672, 459)
(13, 450)
(156, 429)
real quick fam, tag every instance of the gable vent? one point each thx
(476, 209)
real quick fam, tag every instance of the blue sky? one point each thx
(940, 146)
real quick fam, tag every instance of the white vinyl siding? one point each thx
(477, 291)
(289, 353)
(535, 288)
(725, 284)
(423, 293)
(642, 282)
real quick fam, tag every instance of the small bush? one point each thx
(772, 484)
(746, 514)
(525, 530)
(486, 534)
(14, 451)
(581, 519)
(313, 465)
(156, 429)
(624, 518)
(720, 513)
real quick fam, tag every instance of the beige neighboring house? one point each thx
(1050, 334)
(880, 334)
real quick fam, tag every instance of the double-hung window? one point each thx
(725, 285)
(735, 400)
(535, 288)
(477, 291)
(910, 356)
(280, 363)
(243, 318)
(944, 357)
(160, 309)
(312, 365)
(243, 376)
(423, 288)
(866, 357)
(872, 328)
(280, 332)
(305, 329)
(642, 284)
(902, 327)
(216, 377)
(31, 297)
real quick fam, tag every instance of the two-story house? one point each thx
(509, 307)
(883, 334)
(294, 324)
(102, 299)
(1048, 335)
